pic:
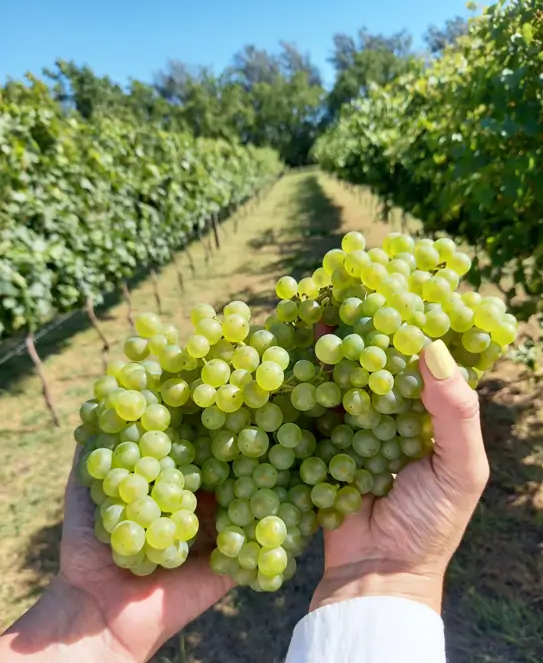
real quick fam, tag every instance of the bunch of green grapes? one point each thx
(289, 424)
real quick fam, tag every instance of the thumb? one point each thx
(460, 457)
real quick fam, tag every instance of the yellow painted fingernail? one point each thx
(439, 360)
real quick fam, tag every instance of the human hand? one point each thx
(113, 615)
(400, 545)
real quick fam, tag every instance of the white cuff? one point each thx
(369, 630)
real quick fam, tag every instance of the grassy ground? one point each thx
(494, 604)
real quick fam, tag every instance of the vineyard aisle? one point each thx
(494, 586)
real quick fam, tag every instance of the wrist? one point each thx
(65, 625)
(365, 579)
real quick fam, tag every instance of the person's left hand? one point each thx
(131, 616)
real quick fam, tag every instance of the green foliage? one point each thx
(84, 205)
(460, 146)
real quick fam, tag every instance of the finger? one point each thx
(460, 456)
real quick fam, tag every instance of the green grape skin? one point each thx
(342, 467)
(271, 531)
(382, 484)
(313, 470)
(323, 495)
(264, 503)
(239, 512)
(186, 524)
(253, 442)
(300, 496)
(193, 477)
(128, 538)
(331, 518)
(272, 561)
(348, 500)
(282, 458)
(363, 481)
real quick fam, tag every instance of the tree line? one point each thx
(262, 98)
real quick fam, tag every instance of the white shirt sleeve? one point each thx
(369, 630)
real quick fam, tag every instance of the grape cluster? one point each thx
(288, 424)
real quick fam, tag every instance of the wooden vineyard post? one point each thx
(94, 321)
(179, 273)
(215, 225)
(156, 291)
(128, 300)
(33, 354)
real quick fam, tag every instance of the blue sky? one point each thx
(134, 38)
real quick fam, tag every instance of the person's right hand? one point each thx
(400, 545)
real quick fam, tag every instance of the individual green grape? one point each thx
(349, 311)
(289, 514)
(436, 289)
(246, 358)
(216, 373)
(281, 457)
(328, 349)
(342, 436)
(254, 395)
(272, 561)
(426, 256)
(373, 358)
(114, 368)
(445, 247)
(342, 467)
(224, 492)
(248, 555)
(475, 340)
(97, 492)
(240, 512)
(382, 484)
(221, 564)
(128, 561)
(145, 568)
(283, 480)
(293, 542)
(351, 347)
(372, 276)
(412, 447)
(224, 446)
(409, 424)
(504, 334)
(193, 477)
(175, 392)
(366, 444)
(287, 310)
(214, 472)
(265, 475)
(271, 531)
(348, 500)
(436, 324)
(200, 312)
(99, 463)
(168, 495)
(387, 320)
(269, 376)
(304, 370)
(235, 328)
(376, 464)
(112, 481)
(237, 421)
(261, 340)
(355, 263)
(459, 263)
(243, 466)
(136, 348)
(269, 417)
(133, 487)
(110, 422)
(385, 429)
(304, 397)
(171, 359)
(238, 308)
(167, 463)
(128, 538)
(231, 540)
(156, 418)
(213, 418)
(399, 266)
(310, 311)
(148, 325)
(244, 488)
(190, 501)
(300, 496)
(286, 287)
(328, 394)
(306, 446)
(313, 471)
(112, 515)
(323, 495)
(264, 503)
(358, 377)
(331, 518)
(377, 339)
(148, 467)
(229, 398)
(353, 241)
(186, 524)
(161, 533)
(143, 511)
(267, 584)
(240, 378)
(277, 355)
(356, 401)
(105, 385)
(381, 382)
(408, 340)
(390, 449)
(88, 412)
(210, 329)
(155, 443)
(363, 481)
(130, 405)
(289, 435)
(183, 452)
(325, 450)
(253, 441)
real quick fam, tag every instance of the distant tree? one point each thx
(437, 39)
(368, 59)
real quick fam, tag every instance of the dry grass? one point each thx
(494, 607)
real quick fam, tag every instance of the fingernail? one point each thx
(439, 360)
